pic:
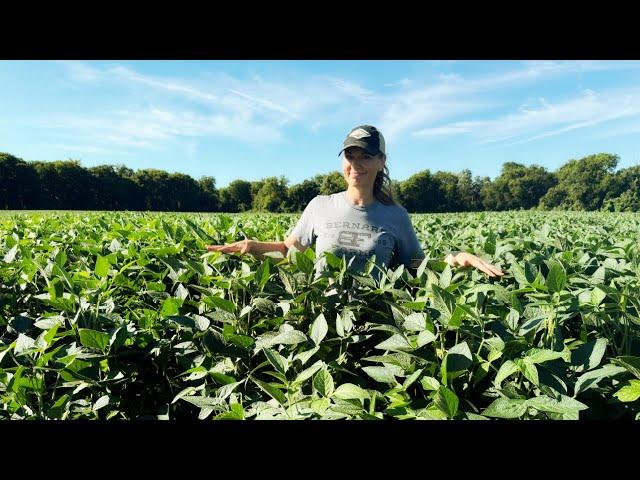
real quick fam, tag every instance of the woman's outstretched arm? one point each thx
(465, 259)
(258, 249)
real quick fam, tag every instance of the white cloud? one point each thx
(84, 149)
(405, 82)
(451, 129)
(81, 72)
(259, 109)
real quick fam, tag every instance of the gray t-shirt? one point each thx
(335, 224)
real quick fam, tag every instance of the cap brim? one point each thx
(354, 142)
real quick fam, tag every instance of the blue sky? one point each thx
(253, 119)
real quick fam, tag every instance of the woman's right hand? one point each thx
(243, 246)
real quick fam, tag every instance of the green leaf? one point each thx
(431, 413)
(236, 413)
(24, 344)
(55, 288)
(319, 329)
(65, 276)
(183, 392)
(528, 369)
(597, 296)
(630, 392)
(530, 325)
(506, 369)
(412, 378)
(51, 333)
(94, 339)
(459, 357)
(287, 281)
(519, 274)
(290, 337)
(446, 401)
(323, 383)
(49, 322)
(396, 343)
(226, 390)
(430, 383)
(556, 277)
(591, 379)
(278, 361)
(381, 374)
(506, 408)
(264, 305)
(202, 323)
(589, 355)
(102, 266)
(538, 355)
(262, 274)
(349, 391)
(632, 364)
(11, 254)
(425, 337)
(170, 306)
(215, 301)
(306, 355)
(308, 373)
(564, 405)
(456, 317)
(415, 322)
(445, 277)
(512, 319)
(204, 402)
(444, 302)
(59, 407)
(270, 390)
(103, 401)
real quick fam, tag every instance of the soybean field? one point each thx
(125, 315)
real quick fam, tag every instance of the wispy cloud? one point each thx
(233, 107)
(258, 109)
(552, 119)
(451, 129)
(405, 82)
(421, 108)
(84, 149)
(80, 72)
(150, 127)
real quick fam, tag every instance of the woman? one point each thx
(360, 222)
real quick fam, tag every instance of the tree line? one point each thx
(589, 183)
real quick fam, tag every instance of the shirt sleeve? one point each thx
(304, 230)
(408, 246)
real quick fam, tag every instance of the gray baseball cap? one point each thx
(367, 137)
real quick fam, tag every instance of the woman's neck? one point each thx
(359, 197)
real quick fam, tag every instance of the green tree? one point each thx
(333, 182)
(447, 198)
(623, 194)
(301, 194)
(64, 185)
(272, 195)
(469, 191)
(19, 183)
(114, 189)
(517, 187)
(156, 193)
(419, 193)
(210, 196)
(236, 197)
(184, 193)
(582, 184)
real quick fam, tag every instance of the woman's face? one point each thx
(360, 168)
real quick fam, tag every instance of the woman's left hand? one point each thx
(464, 259)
